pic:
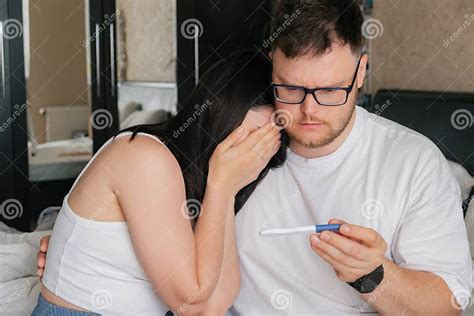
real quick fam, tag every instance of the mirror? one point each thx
(146, 61)
(58, 79)
(57, 84)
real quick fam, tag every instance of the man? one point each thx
(403, 246)
(406, 244)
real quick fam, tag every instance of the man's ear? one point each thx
(362, 70)
(270, 54)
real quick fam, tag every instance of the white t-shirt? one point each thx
(384, 176)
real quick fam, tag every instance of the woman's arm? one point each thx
(183, 267)
(228, 286)
(151, 192)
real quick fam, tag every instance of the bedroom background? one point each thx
(75, 72)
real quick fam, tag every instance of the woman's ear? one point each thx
(270, 54)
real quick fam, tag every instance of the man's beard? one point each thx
(333, 133)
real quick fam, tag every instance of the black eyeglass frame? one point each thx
(307, 91)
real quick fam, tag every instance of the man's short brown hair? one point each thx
(312, 26)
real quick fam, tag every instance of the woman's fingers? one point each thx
(40, 262)
(239, 159)
(268, 143)
(276, 147)
(231, 139)
(261, 135)
(44, 243)
(264, 146)
(269, 147)
(41, 258)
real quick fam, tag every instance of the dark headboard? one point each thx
(445, 118)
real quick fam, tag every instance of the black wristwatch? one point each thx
(368, 282)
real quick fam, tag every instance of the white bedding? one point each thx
(19, 285)
(469, 311)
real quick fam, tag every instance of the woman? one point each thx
(148, 225)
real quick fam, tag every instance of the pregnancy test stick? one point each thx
(298, 230)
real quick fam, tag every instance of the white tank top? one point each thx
(93, 265)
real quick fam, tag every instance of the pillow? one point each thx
(466, 182)
(470, 226)
(127, 109)
(145, 117)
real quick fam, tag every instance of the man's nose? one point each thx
(310, 106)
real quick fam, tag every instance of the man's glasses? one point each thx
(324, 96)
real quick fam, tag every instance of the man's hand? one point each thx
(41, 261)
(353, 252)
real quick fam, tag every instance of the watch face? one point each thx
(368, 285)
(372, 281)
(369, 282)
(377, 277)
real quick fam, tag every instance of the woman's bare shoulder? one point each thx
(144, 155)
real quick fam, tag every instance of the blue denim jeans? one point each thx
(45, 308)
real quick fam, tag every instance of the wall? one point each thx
(425, 45)
(149, 40)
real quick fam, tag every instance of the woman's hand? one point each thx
(236, 163)
(41, 260)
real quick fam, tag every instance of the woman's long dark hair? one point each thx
(217, 105)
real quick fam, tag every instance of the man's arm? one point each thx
(405, 291)
(357, 251)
